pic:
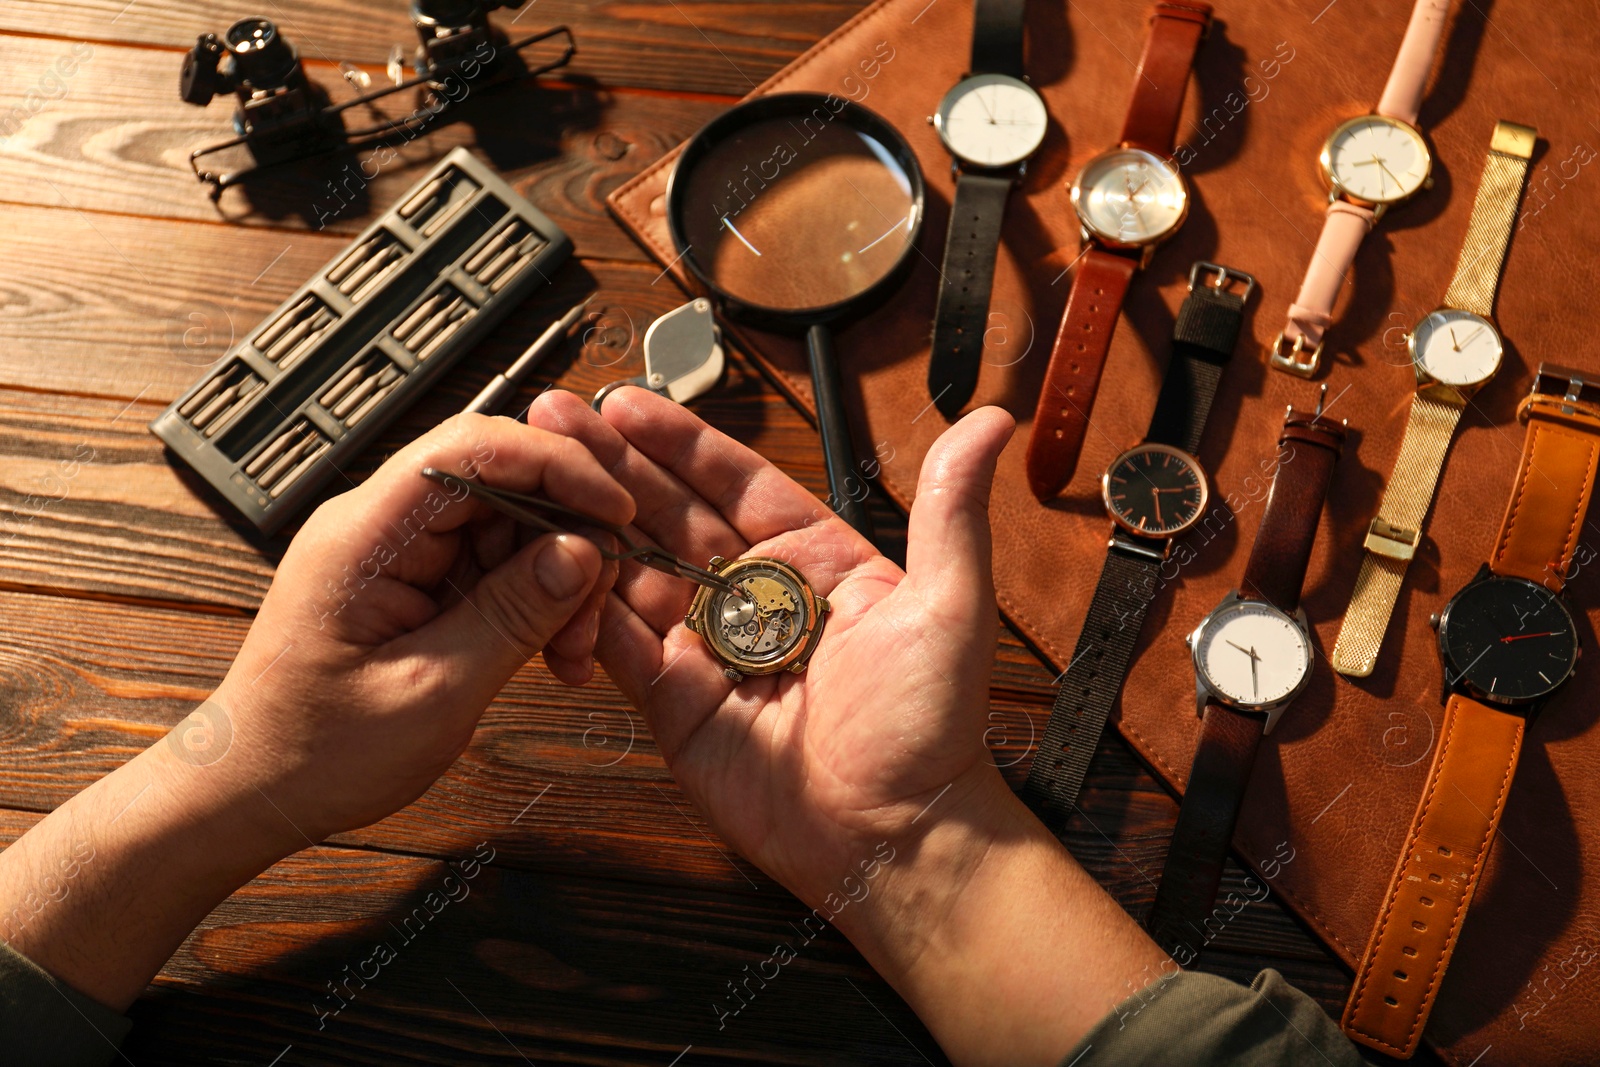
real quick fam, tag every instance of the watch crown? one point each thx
(930, 120)
(1433, 620)
(717, 561)
(732, 675)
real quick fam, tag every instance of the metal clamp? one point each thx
(1386, 539)
(1224, 275)
(1288, 361)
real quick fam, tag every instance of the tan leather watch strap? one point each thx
(1494, 212)
(1073, 376)
(1158, 87)
(1394, 533)
(1445, 848)
(1554, 481)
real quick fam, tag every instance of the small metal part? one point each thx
(683, 355)
(411, 321)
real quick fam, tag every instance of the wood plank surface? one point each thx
(118, 140)
(709, 46)
(611, 919)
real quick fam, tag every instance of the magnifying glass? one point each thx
(799, 211)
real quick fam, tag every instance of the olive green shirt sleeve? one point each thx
(46, 1023)
(1196, 1019)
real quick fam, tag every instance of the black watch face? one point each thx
(1155, 490)
(1507, 640)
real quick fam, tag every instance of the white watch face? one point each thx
(991, 120)
(1376, 159)
(1128, 196)
(1251, 654)
(1456, 347)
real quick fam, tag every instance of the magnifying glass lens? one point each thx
(797, 213)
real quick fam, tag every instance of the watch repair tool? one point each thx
(797, 211)
(683, 356)
(311, 386)
(526, 509)
(283, 116)
(756, 615)
(773, 625)
(503, 387)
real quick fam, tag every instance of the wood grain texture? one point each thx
(709, 46)
(611, 919)
(119, 138)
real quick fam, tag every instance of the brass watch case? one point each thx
(736, 664)
(1337, 189)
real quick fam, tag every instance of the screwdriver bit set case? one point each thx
(323, 374)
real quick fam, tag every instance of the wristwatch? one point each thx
(1128, 199)
(1370, 163)
(1252, 658)
(1455, 351)
(1508, 644)
(990, 122)
(775, 628)
(1154, 492)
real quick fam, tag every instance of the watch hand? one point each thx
(1453, 342)
(1524, 637)
(1471, 335)
(1398, 183)
(1255, 685)
(986, 108)
(1155, 495)
(1241, 648)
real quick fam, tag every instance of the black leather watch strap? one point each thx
(1093, 679)
(997, 36)
(1193, 871)
(968, 278)
(1202, 343)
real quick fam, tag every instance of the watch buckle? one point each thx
(1288, 360)
(1223, 276)
(1384, 538)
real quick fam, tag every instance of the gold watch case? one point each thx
(776, 630)
(1379, 203)
(1100, 166)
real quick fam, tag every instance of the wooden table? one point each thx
(610, 922)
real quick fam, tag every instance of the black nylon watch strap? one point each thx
(997, 36)
(1091, 683)
(968, 278)
(1202, 343)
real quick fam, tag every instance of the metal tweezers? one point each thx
(525, 510)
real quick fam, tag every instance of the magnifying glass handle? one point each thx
(849, 492)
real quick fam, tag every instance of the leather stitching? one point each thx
(1522, 490)
(1398, 883)
(1493, 822)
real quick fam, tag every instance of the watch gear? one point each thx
(773, 624)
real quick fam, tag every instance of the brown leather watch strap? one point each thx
(1175, 31)
(1308, 447)
(1554, 480)
(1073, 376)
(1449, 839)
(1211, 800)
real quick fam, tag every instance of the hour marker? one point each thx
(1559, 656)
(1493, 684)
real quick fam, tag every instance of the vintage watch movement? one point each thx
(775, 627)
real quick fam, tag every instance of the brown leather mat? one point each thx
(1339, 779)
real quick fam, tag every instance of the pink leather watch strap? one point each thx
(1342, 232)
(1402, 94)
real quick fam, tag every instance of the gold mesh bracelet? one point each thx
(1493, 214)
(1392, 538)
